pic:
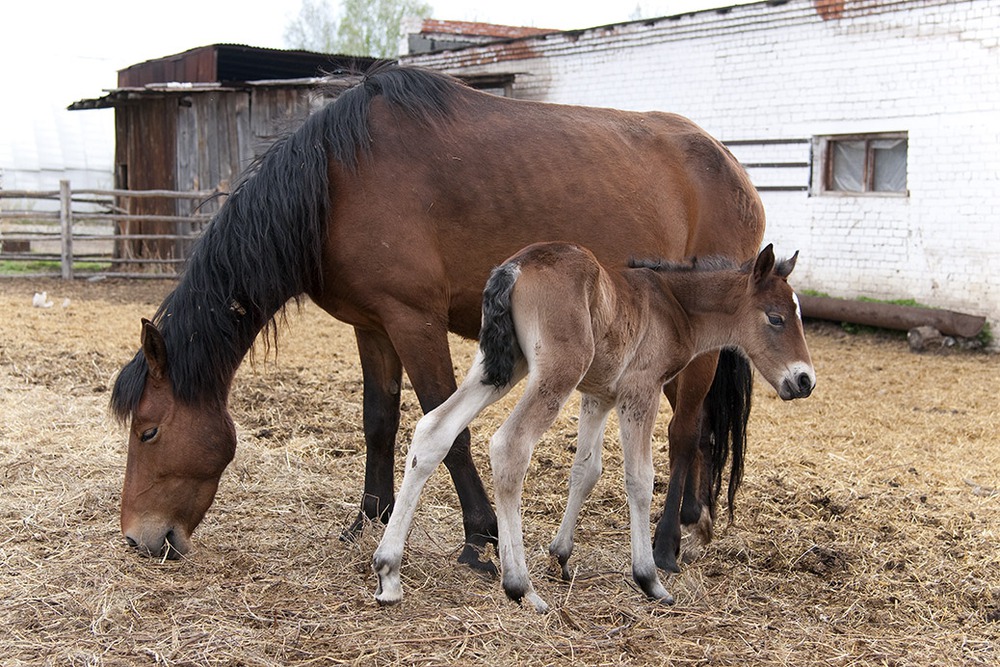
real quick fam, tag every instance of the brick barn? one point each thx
(870, 127)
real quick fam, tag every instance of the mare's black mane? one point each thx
(265, 244)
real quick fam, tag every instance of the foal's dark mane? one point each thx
(782, 267)
(264, 246)
(692, 265)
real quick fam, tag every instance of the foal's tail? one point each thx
(727, 410)
(497, 338)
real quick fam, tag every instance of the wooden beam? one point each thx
(891, 316)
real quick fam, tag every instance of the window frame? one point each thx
(826, 144)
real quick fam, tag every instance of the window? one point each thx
(501, 85)
(869, 163)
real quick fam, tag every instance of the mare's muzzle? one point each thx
(158, 541)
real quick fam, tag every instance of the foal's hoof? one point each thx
(390, 589)
(650, 584)
(386, 600)
(478, 558)
(559, 564)
(666, 599)
(540, 605)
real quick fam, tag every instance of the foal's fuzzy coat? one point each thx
(554, 314)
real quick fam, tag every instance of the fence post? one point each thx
(66, 222)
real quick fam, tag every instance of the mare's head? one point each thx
(769, 327)
(177, 450)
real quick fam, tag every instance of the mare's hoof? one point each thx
(352, 533)
(667, 562)
(478, 558)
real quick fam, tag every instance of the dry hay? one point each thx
(866, 532)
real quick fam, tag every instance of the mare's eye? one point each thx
(775, 319)
(149, 434)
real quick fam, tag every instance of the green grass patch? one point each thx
(910, 303)
(14, 268)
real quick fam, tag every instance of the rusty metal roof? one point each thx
(221, 67)
(232, 63)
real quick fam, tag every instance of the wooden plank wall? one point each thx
(145, 161)
(213, 132)
(278, 111)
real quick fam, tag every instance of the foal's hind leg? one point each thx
(424, 351)
(510, 454)
(584, 475)
(432, 439)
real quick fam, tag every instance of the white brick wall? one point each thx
(930, 68)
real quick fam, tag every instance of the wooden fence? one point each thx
(93, 227)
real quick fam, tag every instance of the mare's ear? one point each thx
(786, 266)
(764, 265)
(154, 349)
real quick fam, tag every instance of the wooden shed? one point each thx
(193, 121)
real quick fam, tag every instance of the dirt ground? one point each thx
(866, 532)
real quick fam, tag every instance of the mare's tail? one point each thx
(727, 410)
(497, 338)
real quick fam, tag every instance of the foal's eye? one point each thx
(149, 434)
(775, 319)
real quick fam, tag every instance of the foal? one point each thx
(553, 313)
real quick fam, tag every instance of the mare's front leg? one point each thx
(432, 438)
(423, 348)
(382, 373)
(689, 392)
(637, 415)
(587, 466)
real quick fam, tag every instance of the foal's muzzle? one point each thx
(797, 384)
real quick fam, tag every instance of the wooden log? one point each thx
(891, 316)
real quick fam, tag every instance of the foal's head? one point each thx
(177, 451)
(769, 327)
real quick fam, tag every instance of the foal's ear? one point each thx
(764, 265)
(785, 266)
(154, 349)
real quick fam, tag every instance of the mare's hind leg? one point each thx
(432, 438)
(691, 388)
(382, 373)
(583, 476)
(637, 414)
(426, 357)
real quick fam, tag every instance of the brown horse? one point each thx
(553, 314)
(388, 208)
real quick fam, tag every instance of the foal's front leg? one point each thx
(637, 415)
(586, 471)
